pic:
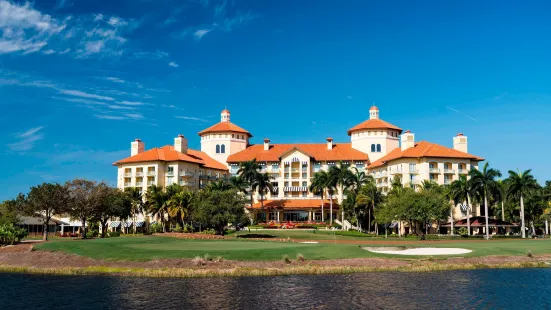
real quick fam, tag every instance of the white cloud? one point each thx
(63, 4)
(134, 115)
(190, 118)
(49, 52)
(115, 79)
(118, 107)
(133, 103)
(150, 55)
(110, 117)
(173, 64)
(78, 93)
(240, 18)
(201, 33)
(27, 139)
(80, 100)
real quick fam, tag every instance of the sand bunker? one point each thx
(419, 251)
(309, 242)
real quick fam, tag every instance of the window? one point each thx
(286, 183)
(304, 194)
(317, 167)
(217, 149)
(373, 148)
(304, 175)
(223, 149)
(304, 183)
(412, 168)
(232, 135)
(378, 148)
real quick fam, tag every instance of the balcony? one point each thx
(382, 184)
(170, 173)
(139, 173)
(274, 175)
(463, 171)
(415, 182)
(186, 174)
(187, 183)
(263, 170)
(413, 171)
(203, 177)
(392, 172)
(127, 184)
(434, 170)
(128, 174)
(149, 183)
(448, 181)
(151, 173)
(213, 177)
(139, 184)
(449, 171)
(295, 170)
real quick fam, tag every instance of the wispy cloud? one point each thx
(118, 107)
(78, 93)
(80, 100)
(134, 115)
(190, 118)
(110, 117)
(237, 20)
(27, 139)
(115, 79)
(63, 4)
(132, 103)
(173, 64)
(200, 33)
(457, 111)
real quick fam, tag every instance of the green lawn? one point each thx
(155, 247)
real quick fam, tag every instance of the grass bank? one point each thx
(248, 272)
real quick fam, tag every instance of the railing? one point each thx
(151, 173)
(187, 183)
(139, 173)
(395, 172)
(295, 170)
(463, 171)
(415, 182)
(139, 184)
(213, 177)
(186, 174)
(264, 170)
(447, 181)
(128, 174)
(127, 184)
(434, 170)
(170, 173)
(286, 170)
(448, 171)
(149, 183)
(202, 176)
(382, 184)
(413, 171)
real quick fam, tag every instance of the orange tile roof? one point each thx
(423, 149)
(225, 127)
(296, 204)
(319, 152)
(373, 124)
(168, 153)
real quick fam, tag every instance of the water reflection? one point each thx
(476, 289)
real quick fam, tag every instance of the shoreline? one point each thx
(254, 272)
(23, 260)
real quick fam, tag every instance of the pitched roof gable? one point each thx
(373, 124)
(340, 151)
(168, 153)
(423, 149)
(224, 127)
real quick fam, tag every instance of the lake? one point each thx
(472, 289)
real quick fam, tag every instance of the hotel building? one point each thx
(376, 147)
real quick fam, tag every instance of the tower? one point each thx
(224, 138)
(375, 136)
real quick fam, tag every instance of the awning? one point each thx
(115, 224)
(140, 224)
(127, 224)
(393, 224)
(295, 189)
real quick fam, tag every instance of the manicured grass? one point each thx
(309, 234)
(156, 247)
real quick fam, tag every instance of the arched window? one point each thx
(217, 148)
(378, 148)
(223, 149)
(372, 147)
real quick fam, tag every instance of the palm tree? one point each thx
(220, 185)
(239, 184)
(358, 179)
(519, 185)
(460, 193)
(179, 205)
(248, 171)
(484, 183)
(396, 186)
(428, 185)
(137, 204)
(340, 177)
(369, 195)
(156, 202)
(318, 185)
(262, 183)
(502, 189)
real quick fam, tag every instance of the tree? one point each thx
(217, 209)
(136, 202)
(179, 205)
(460, 193)
(220, 185)
(239, 184)
(520, 184)
(10, 210)
(484, 183)
(44, 201)
(339, 177)
(358, 179)
(156, 203)
(111, 203)
(369, 195)
(247, 172)
(262, 183)
(319, 185)
(83, 201)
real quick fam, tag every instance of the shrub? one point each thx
(92, 234)
(113, 234)
(198, 261)
(209, 231)
(178, 228)
(156, 228)
(463, 232)
(10, 234)
(219, 259)
(300, 257)
(188, 228)
(286, 259)
(529, 254)
(208, 258)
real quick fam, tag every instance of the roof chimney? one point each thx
(180, 144)
(460, 143)
(329, 143)
(266, 144)
(408, 140)
(136, 147)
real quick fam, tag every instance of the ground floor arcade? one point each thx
(294, 210)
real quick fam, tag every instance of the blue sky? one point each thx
(80, 79)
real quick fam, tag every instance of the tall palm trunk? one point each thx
(522, 225)
(331, 209)
(322, 220)
(369, 220)
(486, 216)
(503, 210)
(342, 209)
(451, 218)
(468, 215)
(546, 226)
